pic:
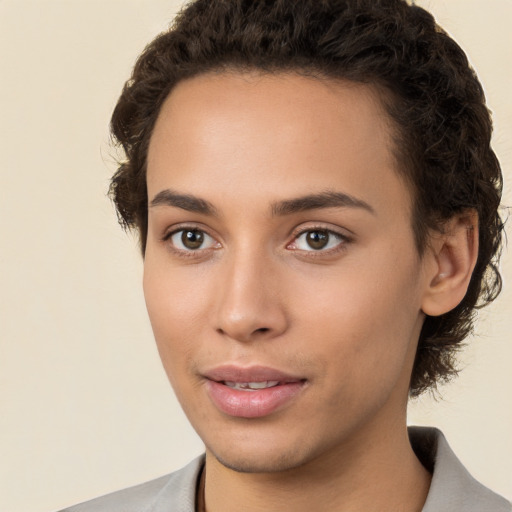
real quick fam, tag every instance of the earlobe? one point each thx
(454, 254)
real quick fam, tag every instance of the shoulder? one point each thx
(453, 488)
(175, 491)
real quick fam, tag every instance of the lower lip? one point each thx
(252, 404)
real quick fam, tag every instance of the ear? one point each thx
(453, 254)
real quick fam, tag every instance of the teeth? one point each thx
(252, 386)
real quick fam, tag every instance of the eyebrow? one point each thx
(328, 199)
(186, 202)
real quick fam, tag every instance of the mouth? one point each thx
(252, 392)
(252, 386)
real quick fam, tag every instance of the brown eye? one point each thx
(192, 239)
(317, 239)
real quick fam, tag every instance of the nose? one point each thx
(250, 303)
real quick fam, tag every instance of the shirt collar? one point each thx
(452, 487)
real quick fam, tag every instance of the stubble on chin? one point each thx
(274, 463)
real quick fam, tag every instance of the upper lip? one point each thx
(233, 373)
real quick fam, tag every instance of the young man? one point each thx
(317, 203)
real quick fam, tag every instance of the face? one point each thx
(281, 276)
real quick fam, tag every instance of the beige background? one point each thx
(84, 405)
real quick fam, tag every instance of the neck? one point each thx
(351, 478)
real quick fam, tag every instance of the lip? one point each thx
(236, 373)
(254, 403)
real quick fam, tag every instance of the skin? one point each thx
(346, 319)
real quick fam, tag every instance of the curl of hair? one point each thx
(442, 126)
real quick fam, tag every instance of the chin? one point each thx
(268, 454)
(261, 463)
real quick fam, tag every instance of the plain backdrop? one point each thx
(85, 407)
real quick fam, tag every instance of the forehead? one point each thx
(296, 132)
(291, 101)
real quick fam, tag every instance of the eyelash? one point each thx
(184, 253)
(342, 241)
(341, 245)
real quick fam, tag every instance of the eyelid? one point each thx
(184, 226)
(173, 230)
(340, 234)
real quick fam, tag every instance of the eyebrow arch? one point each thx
(186, 202)
(328, 199)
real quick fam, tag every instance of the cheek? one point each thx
(366, 319)
(361, 297)
(176, 311)
(175, 297)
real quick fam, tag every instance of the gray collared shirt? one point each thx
(452, 489)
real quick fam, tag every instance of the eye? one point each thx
(317, 240)
(191, 240)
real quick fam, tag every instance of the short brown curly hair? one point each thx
(435, 99)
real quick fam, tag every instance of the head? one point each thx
(439, 125)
